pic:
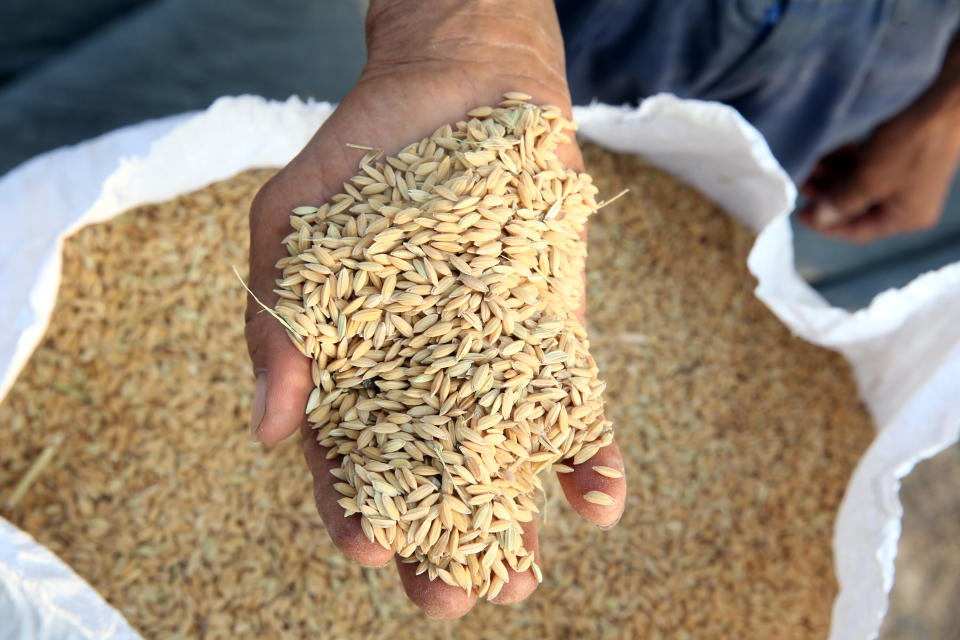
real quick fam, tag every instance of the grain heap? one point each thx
(437, 296)
(738, 439)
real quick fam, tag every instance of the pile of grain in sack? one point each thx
(738, 439)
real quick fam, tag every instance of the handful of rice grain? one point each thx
(437, 296)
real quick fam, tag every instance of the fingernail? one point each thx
(259, 405)
(826, 215)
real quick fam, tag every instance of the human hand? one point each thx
(894, 182)
(422, 71)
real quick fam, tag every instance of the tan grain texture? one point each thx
(738, 440)
(607, 472)
(458, 371)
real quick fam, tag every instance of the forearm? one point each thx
(515, 44)
(948, 82)
(942, 98)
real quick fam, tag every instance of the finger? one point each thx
(809, 190)
(834, 167)
(837, 164)
(879, 222)
(841, 201)
(283, 373)
(436, 598)
(816, 175)
(586, 477)
(812, 191)
(811, 187)
(345, 532)
(522, 584)
(823, 214)
(581, 311)
(283, 380)
(839, 189)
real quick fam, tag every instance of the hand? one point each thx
(894, 182)
(423, 71)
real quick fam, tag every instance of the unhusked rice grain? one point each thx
(737, 437)
(461, 277)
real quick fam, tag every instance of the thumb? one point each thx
(283, 378)
(283, 375)
(841, 198)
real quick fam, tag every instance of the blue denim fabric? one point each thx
(811, 75)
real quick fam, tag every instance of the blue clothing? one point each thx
(811, 75)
